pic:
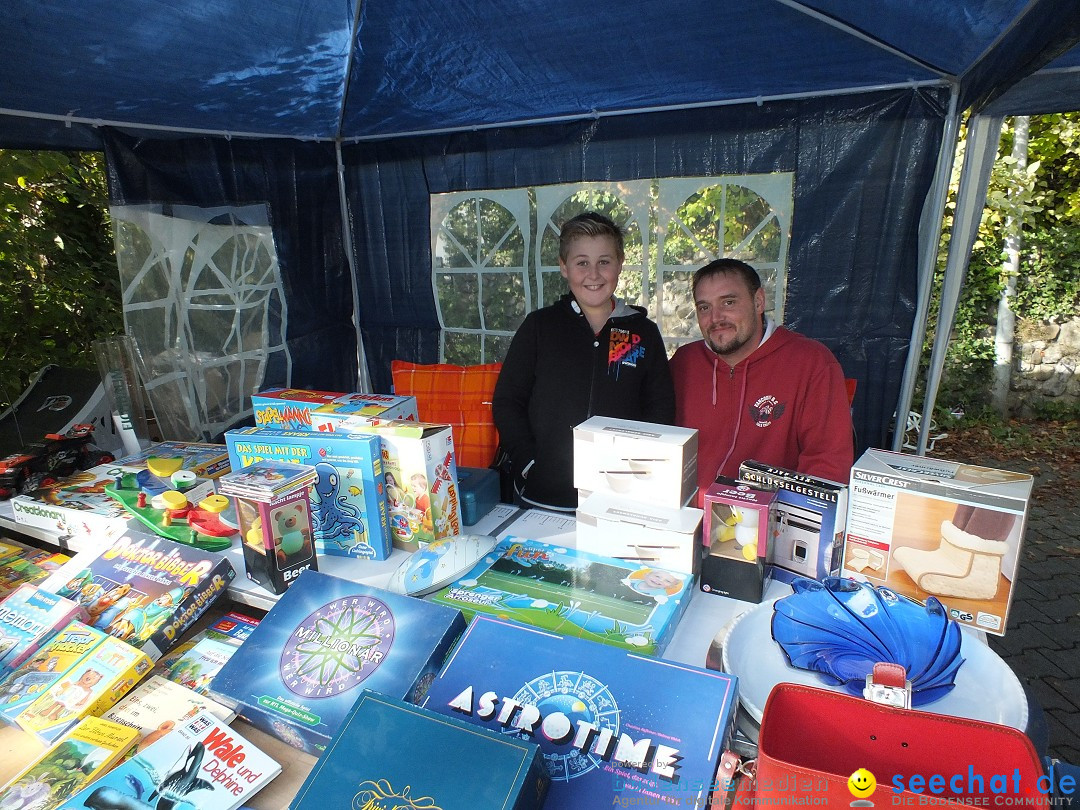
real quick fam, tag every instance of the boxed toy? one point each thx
(78, 506)
(142, 589)
(421, 480)
(324, 641)
(641, 532)
(45, 667)
(615, 728)
(641, 461)
(202, 458)
(809, 514)
(738, 525)
(274, 512)
(292, 408)
(29, 616)
(366, 766)
(90, 687)
(930, 527)
(168, 772)
(575, 593)
(348, 498)
(88, 751)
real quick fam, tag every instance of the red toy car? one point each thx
(43, 463)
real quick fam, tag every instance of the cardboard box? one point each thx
(641, 461)
(616, 729)
(641, 532)
(808, 522)
(366, 766)
(202, 458)
(738, 525)
(348, 498)
(421, 480)
(574, 593)
(929, 527)
(292, 408)
(29, 617)
(324, 642)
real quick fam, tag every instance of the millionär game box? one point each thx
(326, 639)
(615, 728)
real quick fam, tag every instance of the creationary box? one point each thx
(809, 514)
(636, 460)
(348, 497)
(367, 766)
(616, 729)
(930, 527)
(738, 525)
(641, 532)
(323, 642)
(620, 602)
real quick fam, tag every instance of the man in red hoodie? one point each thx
(754, 390)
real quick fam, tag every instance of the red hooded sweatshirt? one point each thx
(785, 405)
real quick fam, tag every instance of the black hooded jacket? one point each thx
(557, 374)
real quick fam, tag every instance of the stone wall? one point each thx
(1048, 367)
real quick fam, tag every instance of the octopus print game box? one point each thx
(615, 728)
(326, 639)
(348, 499)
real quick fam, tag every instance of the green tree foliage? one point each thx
(59, 287)
(1046, 196)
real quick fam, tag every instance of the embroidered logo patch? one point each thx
(766, 410)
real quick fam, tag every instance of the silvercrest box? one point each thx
(930, 527)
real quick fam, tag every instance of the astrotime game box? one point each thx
(327, 639)
(615, 728)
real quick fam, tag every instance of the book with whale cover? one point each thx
(200, 763)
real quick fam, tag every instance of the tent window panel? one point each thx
(672, 226)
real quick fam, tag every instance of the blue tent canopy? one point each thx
(343, 117)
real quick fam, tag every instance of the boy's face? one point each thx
(591, 269)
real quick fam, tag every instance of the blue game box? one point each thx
(574, 593)
(326, 639)
(615, 729)
(348, 498)
(450, 764)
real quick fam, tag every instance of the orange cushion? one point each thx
(459, 396)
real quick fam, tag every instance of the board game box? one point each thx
(142, 589)
(291, 408)
(324, 641)
(574, 593)
(79, 757)
(615, 728)
(366, 766)
(45, 667)
(29, 616)
(348, 499)
(201, 763)
(202, 458)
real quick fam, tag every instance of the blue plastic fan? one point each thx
(841, 628)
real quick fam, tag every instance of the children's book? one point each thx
(90, 687)
(82, 755)
(29, 617)
(144, 590)
(156, 706)
(366, 766)
(575, 593)
(45, 667)
(202, 763)
(233, 629)
(198, 666)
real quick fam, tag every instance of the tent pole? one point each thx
(363, 378)
(929, 237)
(983, 135)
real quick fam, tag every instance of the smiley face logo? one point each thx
(862, 784)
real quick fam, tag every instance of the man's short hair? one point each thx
(590, 223)
(718, 266)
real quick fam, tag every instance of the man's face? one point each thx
(729, 316)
